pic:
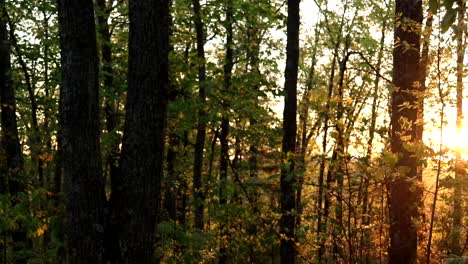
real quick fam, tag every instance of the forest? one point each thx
(233, 131)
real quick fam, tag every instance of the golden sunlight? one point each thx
(457, 139)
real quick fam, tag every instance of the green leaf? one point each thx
(449, 19)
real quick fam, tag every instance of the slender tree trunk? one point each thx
(108, 89)
(110, 113)
(303, 118)
(47, 112)
(79, 119)
(287, 193)
(324, 187)
(405, 195)
(136, 198)
(223, 139)
(170, 199)
(35, 142)
(442, 122)
(202, 119)
(455, 247)
(365, 240)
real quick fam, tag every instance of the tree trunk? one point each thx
(202, 119)
(170, 197)
(79, 119)
(287, 192)
(365, 242)
(108, 89)
(136, 197)
(12, 165)
(35, 141)
(405, 195)
(455, 247)
(223, 138)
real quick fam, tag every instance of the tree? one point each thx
(136, 198)
(455, 247)
(287, 195)
(223, 138)
(12, 165)
(405, 194)
(202, 116)
(79, 132)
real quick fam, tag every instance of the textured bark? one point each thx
(287, 192)
(136, 197)
(79, 120)
(405, 195)
(10, 156)
(202, 119)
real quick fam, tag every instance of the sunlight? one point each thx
(457, 139)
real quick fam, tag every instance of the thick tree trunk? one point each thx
(202, 119)
(405, 195)
(136, 198)
(287, 192)
(79, 119)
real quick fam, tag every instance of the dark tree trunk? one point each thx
(223, 166)
(223, 138)
(170, 197)
(79, 120)
(108, 89)
(11, 159)
(12, 165)
(35, 141)
(111, 119)
(202, 119)
(405, 196)
(287, 193)
(136, 198)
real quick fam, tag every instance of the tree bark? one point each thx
(405, 195)
(79, 119)
(136, 198)
(287, 192)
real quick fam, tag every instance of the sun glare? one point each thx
(456, 139)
